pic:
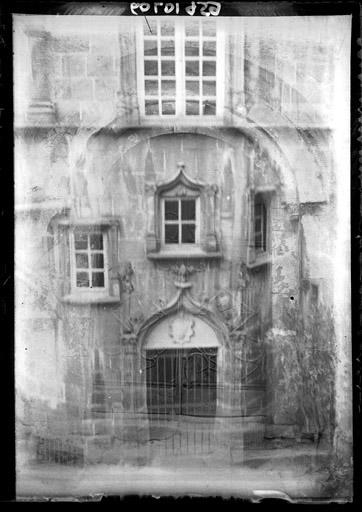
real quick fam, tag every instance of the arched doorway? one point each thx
(181, 378)
(182, 353)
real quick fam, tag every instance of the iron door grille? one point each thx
(181, 382)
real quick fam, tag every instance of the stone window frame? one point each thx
(188, 195)
(181, 186)
(180, 76)
(260, 256)
(62, 263)
(89, 229)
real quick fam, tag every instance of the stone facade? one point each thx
(86, 156)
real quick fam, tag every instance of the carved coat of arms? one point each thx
(181, 329)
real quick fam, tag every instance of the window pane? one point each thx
(209, 48)
(192, 27)
(168, 67)
(188, 211)
(167, 28)
(97, 261)
(258, 209)
(209, 68)
(188, 233)
(209, 28)
(151, 67)
(258, 224)
(192, 108)
(208, 88)
(168, 47)
(192, 68)
(82, 279)
(171, 234)
(151, 87)
(171, 210)
(209, 108)
(97, 279)
(150, 47)
(258, 244)
(168, 87)
(192, 88)
(81, 260)
(168, 107)
(192, 48)
(150, 27)
(96, 241)
(80, 239)
(151, 107)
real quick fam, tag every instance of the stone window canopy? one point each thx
(181, 219)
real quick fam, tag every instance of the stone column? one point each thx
(211, 243)
(41, 108)
(152, 244)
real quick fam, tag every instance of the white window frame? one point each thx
(99, 290)
(180, 76)
(179, 222)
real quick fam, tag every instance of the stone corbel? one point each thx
(152, 245)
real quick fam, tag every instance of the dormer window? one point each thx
(181, 217)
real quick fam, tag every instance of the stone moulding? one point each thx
(183, 302)
(182, 185)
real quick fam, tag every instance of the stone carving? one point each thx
(183, 271)
(126, 278)
(243, 277)
(131, 313)
(181, 329)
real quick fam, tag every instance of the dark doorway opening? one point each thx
(181, 398)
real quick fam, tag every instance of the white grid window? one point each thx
(200, 67)
(89, 259)
(180, 224)
(159, 67)
(181, 67)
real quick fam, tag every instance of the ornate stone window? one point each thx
(181, 219)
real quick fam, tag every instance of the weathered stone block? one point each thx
(62, 89)
(287, 431)
(70, 43)
(102, 44)
(104, 89)
(73, 65)
(82, 89)
(100, 65)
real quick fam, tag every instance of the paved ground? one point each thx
(292, 472)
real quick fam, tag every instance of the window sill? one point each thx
(89, 298)
(179, 254)
(260, 260)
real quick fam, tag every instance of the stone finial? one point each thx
(181, 167)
